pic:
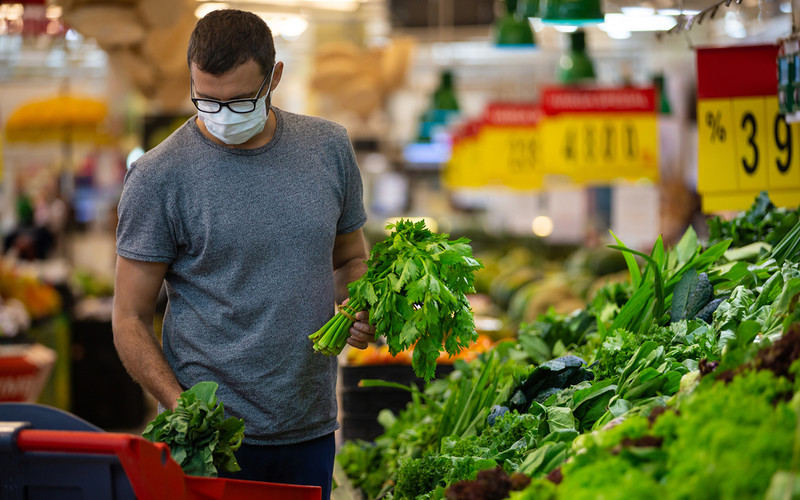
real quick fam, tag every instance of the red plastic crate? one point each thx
(152, 472)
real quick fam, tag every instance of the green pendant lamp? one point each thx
(528, 8)
(575, 67)
(513, 29)
(571, 12)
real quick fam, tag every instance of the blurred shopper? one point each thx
(30, 239)
(252, 217)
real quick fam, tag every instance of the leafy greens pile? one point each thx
(763, 222)
(200, 438)
(415, 288)
(690, 388)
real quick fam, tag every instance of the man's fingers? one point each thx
(357, 343)
(362, 334)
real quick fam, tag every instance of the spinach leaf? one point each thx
(200, 438)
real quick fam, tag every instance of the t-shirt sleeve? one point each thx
(144, 230)
(353, 213)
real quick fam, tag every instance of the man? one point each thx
(252, 217)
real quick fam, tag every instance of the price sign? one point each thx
(465, 167)
(744, 144)
(509, 146)
(600, 135)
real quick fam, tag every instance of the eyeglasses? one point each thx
(235, 105)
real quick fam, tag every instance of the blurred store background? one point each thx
(534, 131)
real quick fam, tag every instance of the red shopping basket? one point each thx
(52, 464)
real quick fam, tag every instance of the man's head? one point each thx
(225, 39)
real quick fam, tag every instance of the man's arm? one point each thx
(349, 254)
(136, 289)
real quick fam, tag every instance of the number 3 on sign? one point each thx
(750, 118)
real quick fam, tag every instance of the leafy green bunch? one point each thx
(200, 438)
(762, 222)
(415, 288)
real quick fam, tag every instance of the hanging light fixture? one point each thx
(571, 12)
(575, 66)
(513, 27)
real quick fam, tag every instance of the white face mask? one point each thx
(236, 128)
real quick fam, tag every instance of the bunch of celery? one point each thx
(415, 289)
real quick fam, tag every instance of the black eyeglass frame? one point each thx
(221, 104)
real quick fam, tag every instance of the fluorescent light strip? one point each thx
(621, 22)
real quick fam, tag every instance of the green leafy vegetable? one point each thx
(762, 222)
(419, 476)
(548, 379)
(551, 333)
(415, 288)
(200, 438)
(705, 443)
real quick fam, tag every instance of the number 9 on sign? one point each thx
(783, 152)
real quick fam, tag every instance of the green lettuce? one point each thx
(199, 436)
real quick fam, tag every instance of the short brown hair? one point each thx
(227, 38)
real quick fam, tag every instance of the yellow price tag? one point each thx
(511, 157)
(746, 146)
(602, 147)
(465, 169)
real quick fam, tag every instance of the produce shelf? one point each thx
(48, 463)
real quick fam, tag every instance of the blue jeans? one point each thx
(307, 463)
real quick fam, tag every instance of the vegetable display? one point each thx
(415, 288)
(199, 436)
(681, 384)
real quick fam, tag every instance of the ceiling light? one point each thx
(638, 11)
(619, 35)
(622, 22)
(338, 5)
(734, 27)
(12, 11)
(343, 5)
(289, 27)
(53, 12)
(205, 8)
(293, 27)
(678, 12)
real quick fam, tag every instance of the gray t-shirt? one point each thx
(248, 236)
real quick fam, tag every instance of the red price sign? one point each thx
(600, 135)
(744, 144)
(502, 149)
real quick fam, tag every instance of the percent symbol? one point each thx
(717, 129)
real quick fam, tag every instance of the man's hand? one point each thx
(349, 254)
(361, 333)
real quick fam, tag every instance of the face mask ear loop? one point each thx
(269, 90)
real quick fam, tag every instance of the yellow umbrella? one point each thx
(57, 118)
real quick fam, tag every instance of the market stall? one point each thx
(582, 221)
